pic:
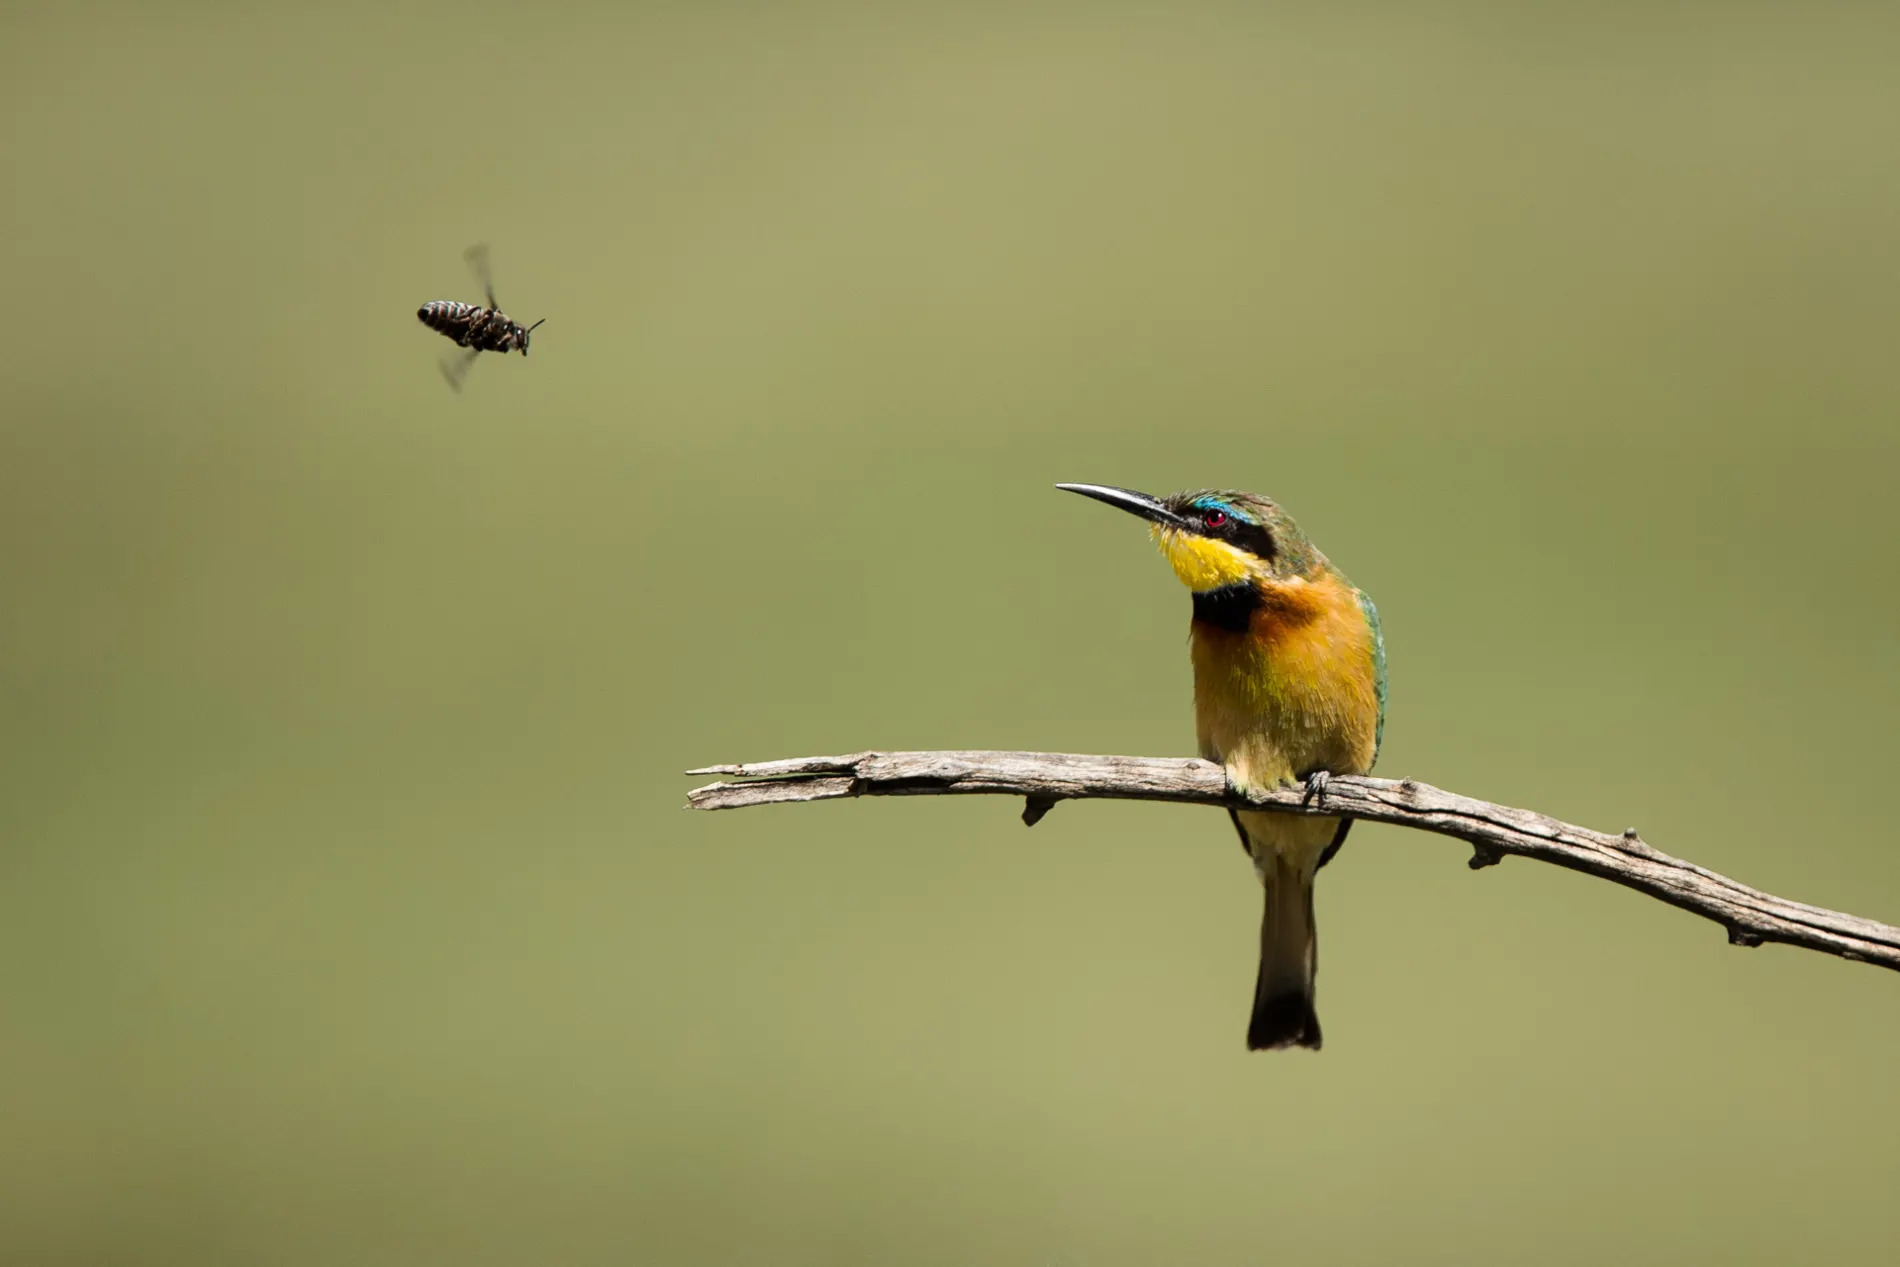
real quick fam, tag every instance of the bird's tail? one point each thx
(1283, 1014)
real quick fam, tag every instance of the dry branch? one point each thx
(1044, 778)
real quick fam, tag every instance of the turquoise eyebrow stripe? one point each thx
(1215, 503)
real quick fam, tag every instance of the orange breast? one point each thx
(1295, 692)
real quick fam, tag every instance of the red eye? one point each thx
(1214, 518)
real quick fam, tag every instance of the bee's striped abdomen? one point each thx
(447, 317)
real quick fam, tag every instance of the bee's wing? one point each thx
(456, 368)
(477, 257)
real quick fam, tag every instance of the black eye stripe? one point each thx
(1256, 540)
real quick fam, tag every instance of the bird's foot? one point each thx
(1316, 788)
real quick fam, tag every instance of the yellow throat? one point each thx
(1202, 563)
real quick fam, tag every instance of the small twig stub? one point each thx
(1035, 807)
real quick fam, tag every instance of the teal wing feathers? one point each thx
(1378, 666)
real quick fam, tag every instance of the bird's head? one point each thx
(1214, 538)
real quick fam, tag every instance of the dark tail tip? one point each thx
(1285, 1020)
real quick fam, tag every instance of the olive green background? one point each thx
(347, 910)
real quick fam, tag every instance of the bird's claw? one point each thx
(1316, 788)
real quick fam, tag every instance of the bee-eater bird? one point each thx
(1289, 688)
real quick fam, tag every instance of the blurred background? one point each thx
(347, 908)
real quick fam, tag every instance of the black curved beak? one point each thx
(1150, 508)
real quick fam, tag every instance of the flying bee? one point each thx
(472, 326)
